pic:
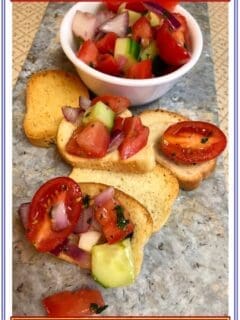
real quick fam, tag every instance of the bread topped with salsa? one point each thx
(95, 226)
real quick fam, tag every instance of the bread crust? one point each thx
(47, 92)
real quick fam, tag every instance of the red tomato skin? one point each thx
(170, 51)
(136, 6)
(106, 216)
(118, 124)
(140, 70)
(168, 4)
(88, 53)
(116, 103)
(141, 29)
(76, 303)
(39, 230)
(107, 64)
(136, 136)
(190, 133)
(113, 5)
(107, 43)
(91, 141)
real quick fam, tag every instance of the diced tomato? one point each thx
(107, 64)
(114, 225)
(113, 5)
(136, 136)
(136, 6)
(107, 43)
(116, 103)
(118, 124)
(78, 303)
(191, 142)
(141, 30)
(140, 70)
(168, 4)
(88, 53)
(49, 195)
(91, 141)
(171, 44)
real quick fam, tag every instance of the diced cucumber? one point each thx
(129, 49)
(149, 52)
(112, 264)
(133, 16)
(154, 19)
(99, 112)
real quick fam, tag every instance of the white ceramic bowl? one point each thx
(138, 91)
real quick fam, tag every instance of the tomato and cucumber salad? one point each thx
(128, 41)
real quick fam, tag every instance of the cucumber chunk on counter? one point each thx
(127, 48)
(112, 264)
(99, 112)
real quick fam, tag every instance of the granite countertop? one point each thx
(185, 265)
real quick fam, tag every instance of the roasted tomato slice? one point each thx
(78, 303)
(116, 103)
(172, 44)
(107, 43)
(88, 53)
(191, 142)
(91, 141)
(107, 64)
(111, 217)
(136, 136)
(140, 70)
(62, 194)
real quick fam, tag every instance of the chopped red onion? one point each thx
(103, 16)
(121, 61)
(118, 24)
(59, 248)
(23, 212)
(84, 221)
(116, 139)
(71, 114)
(59, 217)
(84, 25)
(157, 8)
(95, 226)
(84, 103)
(104, 196)
(82, 258)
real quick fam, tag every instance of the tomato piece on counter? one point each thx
(107, 64)
(78, 303)
(171, 43)
(136, 137)
(140, 70)
(62, 194)
(142, 31)
(91, 141)
(88, 53)
(111, 217)
(107, 43)
(190, 142)
(116, 103)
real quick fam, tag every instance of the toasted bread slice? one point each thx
(189, 176)
(156, 189)
(138, 215)
(143, 161)
(47, 92)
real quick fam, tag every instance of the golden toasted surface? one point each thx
(138, 215)
(155, 190)
(47, 92)
(189, 176)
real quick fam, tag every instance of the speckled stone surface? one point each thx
(185, 266)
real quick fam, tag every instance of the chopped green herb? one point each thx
(96, 308)
(204, 140)
(121, 221)
(86, 200)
